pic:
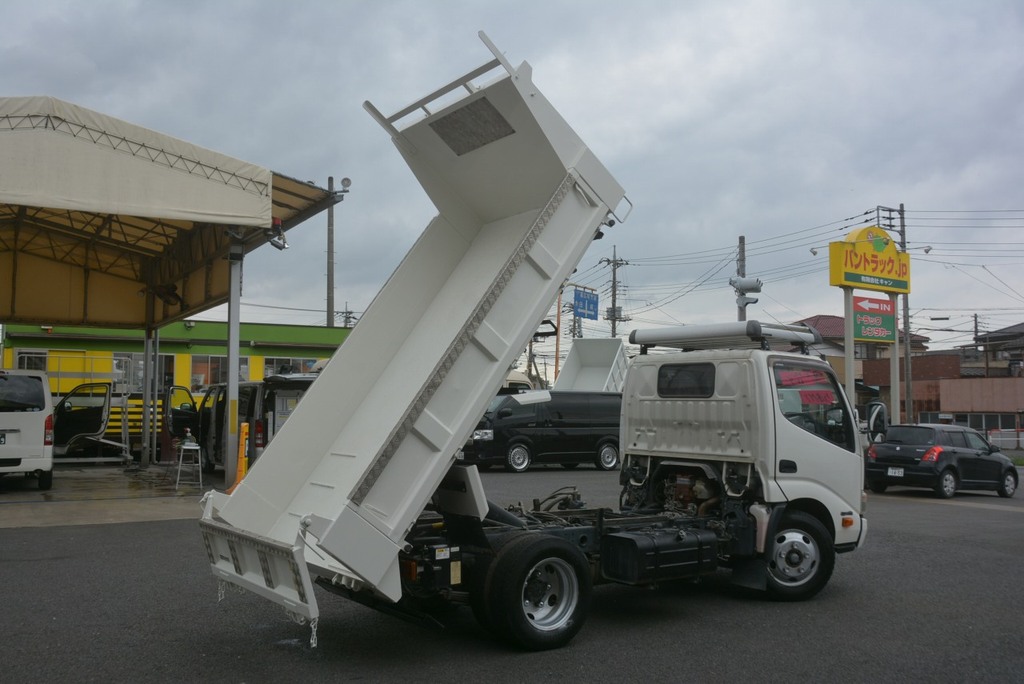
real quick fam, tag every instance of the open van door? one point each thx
(81, 415)
(179, 412)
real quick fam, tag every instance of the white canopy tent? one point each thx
(106, 223)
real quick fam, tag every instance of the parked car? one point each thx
(264, 404)
(569, 428)
(32, 430)
(946, 458)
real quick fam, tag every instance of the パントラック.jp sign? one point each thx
(874, 320)
(868, 259)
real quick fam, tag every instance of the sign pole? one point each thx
(894, 373)
(848, 372)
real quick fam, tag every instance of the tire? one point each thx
(878, 487)
(1009, 484)
(480, 580)
(538, 592)
(518, 458)
(45, 480)
(607, 457)
(801, 558)
(946, 487)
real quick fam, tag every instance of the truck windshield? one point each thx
(810, 398)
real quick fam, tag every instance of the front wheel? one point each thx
(946, 487)
(518, 458)
(538, 592)
(801, 558)
(1009, 484)
(607, 457)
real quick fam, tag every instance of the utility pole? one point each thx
(907, 379)
(330, 256)
(742, 284)
(347, 315)
(908, 390)
(614, 312)
(345, 184)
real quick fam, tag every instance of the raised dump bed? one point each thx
(594, 365)
(520, 197)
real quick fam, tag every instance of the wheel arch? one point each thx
(810, 506)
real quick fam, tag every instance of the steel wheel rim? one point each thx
(550, 594)
(519, 458)
(794, 558)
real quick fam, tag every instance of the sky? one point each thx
(786, 122)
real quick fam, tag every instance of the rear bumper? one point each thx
(25, 460)
(912, 476)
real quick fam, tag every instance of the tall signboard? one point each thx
(869, 259)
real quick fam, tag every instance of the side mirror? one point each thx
(878, 420)
(505, 413)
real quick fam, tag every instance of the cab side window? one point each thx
(810, 398)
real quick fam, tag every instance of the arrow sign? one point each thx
(874, 320)
(880, 306)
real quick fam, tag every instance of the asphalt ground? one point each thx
(89, 494)
(932, 597)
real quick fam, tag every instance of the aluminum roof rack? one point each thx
(733, 335)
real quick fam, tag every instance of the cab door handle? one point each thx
(787, 466)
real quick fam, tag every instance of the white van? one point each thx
(31, 429)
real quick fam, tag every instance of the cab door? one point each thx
(82, 414)
(816, 441)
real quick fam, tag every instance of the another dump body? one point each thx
(520, 199)
(594, 365)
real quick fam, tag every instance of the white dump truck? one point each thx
(361, 492)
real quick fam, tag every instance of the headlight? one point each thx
(483, 435)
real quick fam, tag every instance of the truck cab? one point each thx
(754, 433)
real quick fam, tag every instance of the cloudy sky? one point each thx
(782, 121)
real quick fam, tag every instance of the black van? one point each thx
(547, 427)
(265, 405)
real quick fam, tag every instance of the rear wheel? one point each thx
(518, 458)
(45, 480)
(946, 487)
(538, 592)
(607, 457)
(801, 558)
(878, 487)
(1009, 484)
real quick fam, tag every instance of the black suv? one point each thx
(945, 458)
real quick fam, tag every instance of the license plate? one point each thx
(895, 472)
